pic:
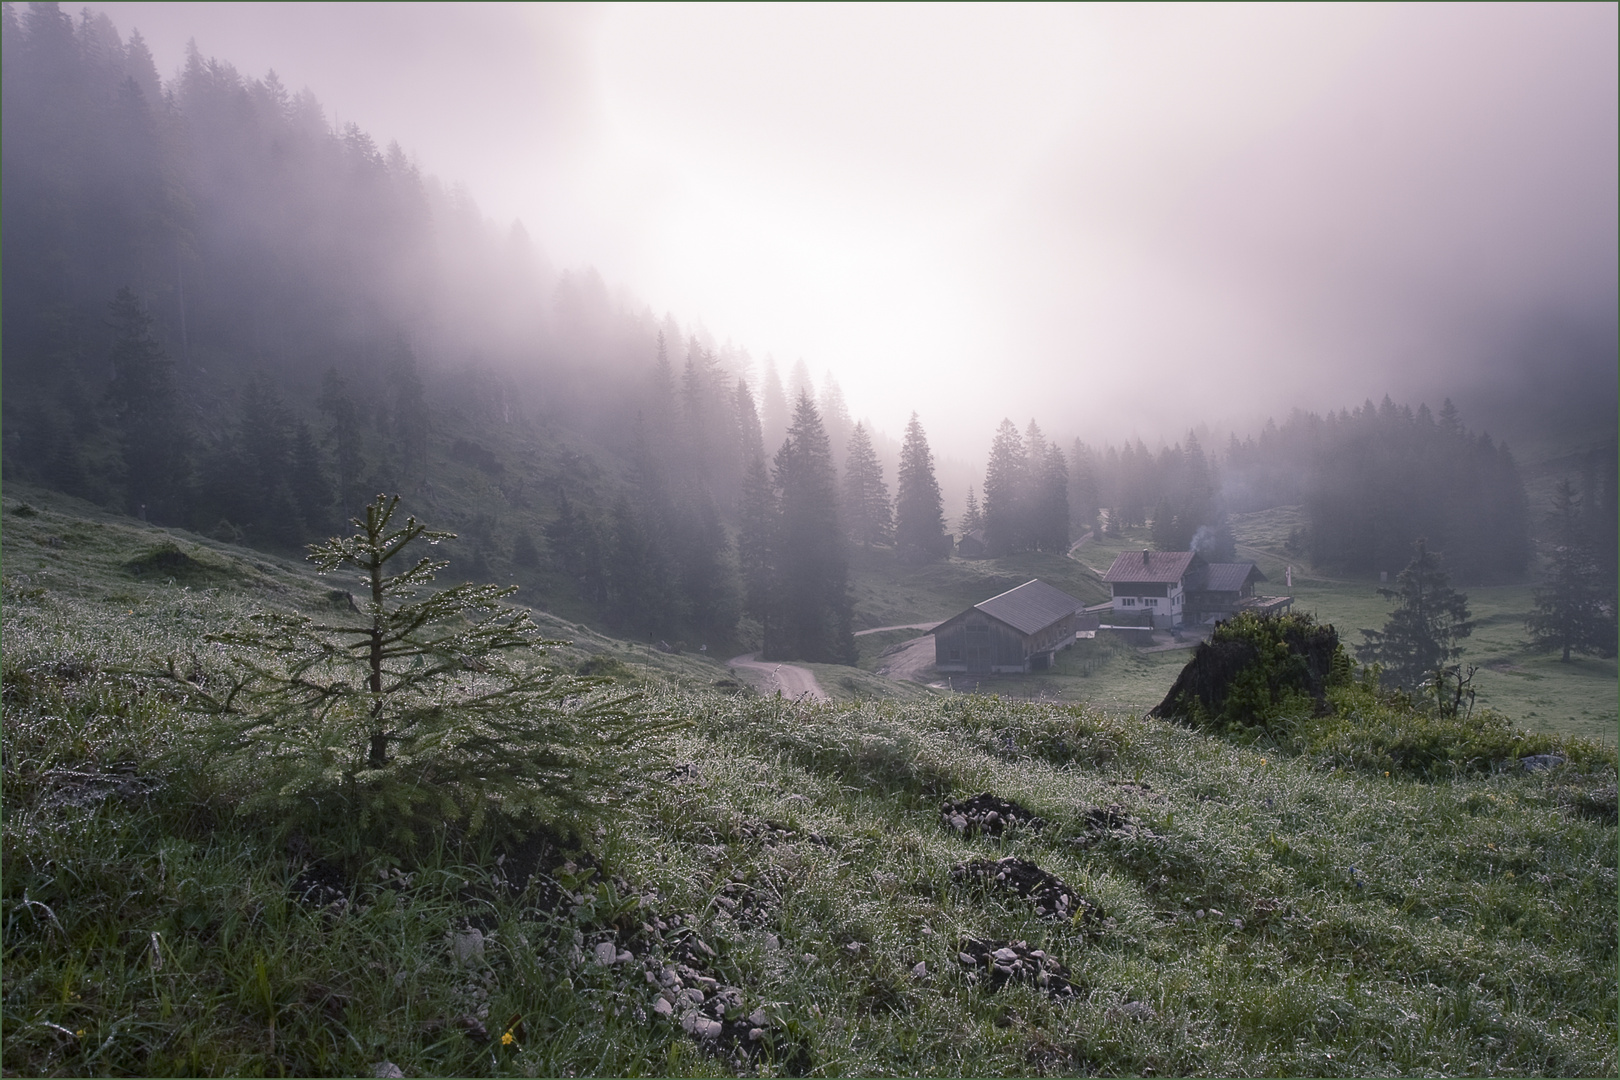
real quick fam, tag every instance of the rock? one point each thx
(772, 943)
(1133, 1010)
(1005, 956)
(625, 956)
(700, 1026)
(386, 1070)
(920, 971)
(605, 953)
(755, 1034)
(853, 948)
(662, 1007)
(757, 1018)
(468, 945)
(1541, 762)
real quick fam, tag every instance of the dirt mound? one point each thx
(1112, 822)
(994, 964)
(985, 813)
(1052, 898)
(167, 560)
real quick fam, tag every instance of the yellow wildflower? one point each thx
(508, 1039)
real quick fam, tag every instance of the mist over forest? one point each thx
(226, 312)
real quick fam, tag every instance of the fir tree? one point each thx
(1574, 607)
(422, 707)
(919, 515)
(1430, 618)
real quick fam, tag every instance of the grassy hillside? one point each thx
(772, 867)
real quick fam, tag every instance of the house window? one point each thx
(1128, 601)
(1151, 601)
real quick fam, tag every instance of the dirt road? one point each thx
(910, 661)
(769, 677)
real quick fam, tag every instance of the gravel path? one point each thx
(771, 677)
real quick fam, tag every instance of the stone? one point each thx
(625, 956)
(468, 945)
(662, 1007)
(755, 1034)
(1005, 956)
(386, 1070)
(605, 952)
(1541, 762)
(920, 971)
(757, 1018)
(1136, 1010)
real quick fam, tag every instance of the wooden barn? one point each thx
(1019, 630)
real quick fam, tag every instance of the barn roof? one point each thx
(1167, 566)
(1031, 607)
(1231, 577)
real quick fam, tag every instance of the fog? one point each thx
(1123, 221)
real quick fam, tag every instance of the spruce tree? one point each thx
(972, 516)
(919, 515)
(812, 608)
(1574, 607)
(146, 406)
(421, 706)
(867, 514)
(1005, 484)
(1430, 618)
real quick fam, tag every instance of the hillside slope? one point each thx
(825, 876)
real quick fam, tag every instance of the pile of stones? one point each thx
(987, 814)
(994, 964)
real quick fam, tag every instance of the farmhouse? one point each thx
(1152, 585)
(1017, 631)
(1176, 588)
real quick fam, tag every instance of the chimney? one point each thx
(1144, 556)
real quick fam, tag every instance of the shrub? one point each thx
(1257, 671)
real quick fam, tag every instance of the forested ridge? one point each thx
(225, 313)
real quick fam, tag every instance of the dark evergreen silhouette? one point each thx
(1421, 637)
(1574, 606)
(150, 421)
(811, 604)
(919, 516)
(867, 514)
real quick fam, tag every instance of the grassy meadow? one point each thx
(774, 867)
(1536, 690)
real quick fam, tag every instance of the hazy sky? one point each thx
(1118, 220)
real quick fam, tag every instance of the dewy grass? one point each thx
(1262, 911)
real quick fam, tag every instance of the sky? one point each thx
(1117, 220)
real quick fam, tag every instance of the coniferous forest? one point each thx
(225, 313)
(372, 588)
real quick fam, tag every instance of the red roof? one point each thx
(1154, 566)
